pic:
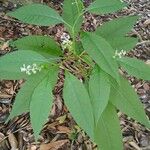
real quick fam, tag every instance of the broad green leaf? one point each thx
(78, 102)
(37, 14)
(108, 133)
(126, 100)
(41, 103)
(123, 43)
(24, 96)
(105, 6)
(135, 67)
(72, 14)
(116, 28)
(114, 32)
(44, 45)
(101, 52)
(11, 63)
(99, 90)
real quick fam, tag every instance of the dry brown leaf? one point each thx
(148, 62)
(3, 95)
(63, 129)
(133, 144)
(1, 136)
(4, 46)
(13, 141)
(147, 22)
(53, 145)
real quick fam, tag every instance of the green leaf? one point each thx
(78, 102)
(72, 14)
(24, 96)
(135, 67)
(105, 6)
(126, 100)
(79, 47)
(37, 14)
(123, 43)
(41, 103)
(117, 27)
(108, 133)
(101, 52)
(99, 90)
(10, 63)
(114, 32)
(44, 45)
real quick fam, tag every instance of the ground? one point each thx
(61, 132)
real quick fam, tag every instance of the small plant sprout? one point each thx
(94, 102)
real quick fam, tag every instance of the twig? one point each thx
(143, 42)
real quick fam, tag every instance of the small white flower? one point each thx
(119, 54)
(65, 37)
(66, 42)
(23, 69)
(28, 72)
(34, 71)
(29, 69)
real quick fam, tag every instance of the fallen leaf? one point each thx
(13, 141)
(147, 22)
(63, 129)
(4, 46)
(53, 145)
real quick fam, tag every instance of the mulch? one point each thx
(61, 131)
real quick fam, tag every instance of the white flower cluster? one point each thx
(29, 69)
(66, 42)
(119, 54)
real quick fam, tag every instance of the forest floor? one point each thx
(61, 132)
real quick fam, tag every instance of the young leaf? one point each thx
(107, 132)
(101, 52)
(41, 102)
(105, 6)
(126, 100)
(114, 32)
(44, 45)
(99, 90)
(72, 14)
(78, 102)
(10, 64)
(135, 67)
(37, 14)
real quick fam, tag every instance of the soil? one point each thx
(61, 131)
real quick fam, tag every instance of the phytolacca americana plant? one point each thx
(92, 103)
